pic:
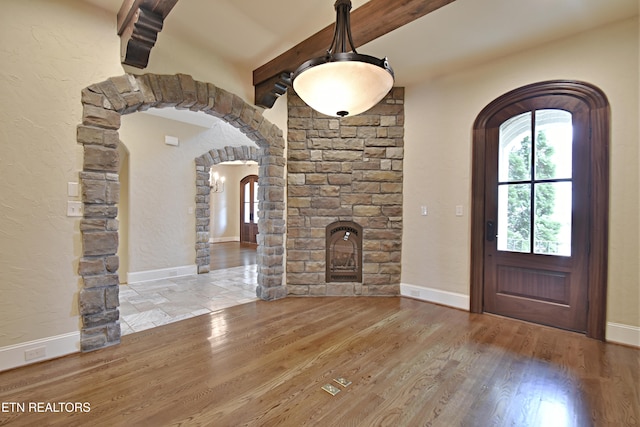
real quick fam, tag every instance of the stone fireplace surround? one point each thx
(103, 104)
(345, 169)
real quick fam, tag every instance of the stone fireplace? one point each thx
(344, 252)
(345, 170)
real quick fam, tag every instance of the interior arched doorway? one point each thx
(103, 105)
(203, 164)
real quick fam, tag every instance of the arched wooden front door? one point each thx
(540, 206)
(249, 210)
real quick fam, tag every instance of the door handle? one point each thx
(491, 231)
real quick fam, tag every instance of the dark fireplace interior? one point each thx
(344, 252)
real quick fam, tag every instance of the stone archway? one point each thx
(103, 105)
(203, 164)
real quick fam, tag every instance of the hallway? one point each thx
(232, 281)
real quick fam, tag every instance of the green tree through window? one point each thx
(519, 205)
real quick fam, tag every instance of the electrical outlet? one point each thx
(35, 353)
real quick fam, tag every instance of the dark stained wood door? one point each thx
(249, 210)
(525, 281)
(536, 211)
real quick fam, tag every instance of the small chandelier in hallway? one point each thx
(216, 182)
(343, 82)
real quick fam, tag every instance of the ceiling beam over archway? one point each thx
(368, 22)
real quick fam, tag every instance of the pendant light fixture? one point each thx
(343, 82)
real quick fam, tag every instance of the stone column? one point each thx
(99, 263)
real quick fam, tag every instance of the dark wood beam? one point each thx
(368, 22)
(139, 22)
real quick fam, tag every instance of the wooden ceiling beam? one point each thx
(368, 22)
(139, 22)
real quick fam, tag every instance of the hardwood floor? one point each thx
(231, 254)
(411, 363)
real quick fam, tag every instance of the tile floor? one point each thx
(154, 303)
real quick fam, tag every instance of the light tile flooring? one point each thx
(154, 303)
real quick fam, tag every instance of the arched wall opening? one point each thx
(103, 105)
(203, 165)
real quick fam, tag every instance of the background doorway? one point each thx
(249, 210)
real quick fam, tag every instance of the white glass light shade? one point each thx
(344, 87)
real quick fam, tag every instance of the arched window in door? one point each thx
(249, 210)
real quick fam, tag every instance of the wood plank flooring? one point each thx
(231, 254)
(411, 363)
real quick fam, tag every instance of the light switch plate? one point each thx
(74, 208)
(458, 210)
(73, 189)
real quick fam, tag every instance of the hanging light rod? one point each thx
(343, 82)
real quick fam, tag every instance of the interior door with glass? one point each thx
(249, 210)
(536, 265)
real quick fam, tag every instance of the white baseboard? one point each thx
(615, 332)
(162, 273)
(450, 299)
(623, 334)
(224, 239)
(14, 356)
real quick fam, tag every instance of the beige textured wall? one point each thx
(50, 51)
(439, 120)
(123, 213)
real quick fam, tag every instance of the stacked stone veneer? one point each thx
(347, 169)
(103, 105)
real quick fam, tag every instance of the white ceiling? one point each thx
(249, 33)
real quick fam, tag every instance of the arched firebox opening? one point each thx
(344, 252)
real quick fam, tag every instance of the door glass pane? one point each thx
(552, 220)
(247, 203)
(514, 155)
(554, 135)
(255, 202)
(514, 217)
